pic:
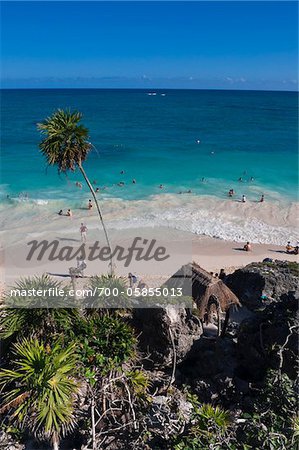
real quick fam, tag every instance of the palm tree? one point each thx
(40, 391)
(65, 144)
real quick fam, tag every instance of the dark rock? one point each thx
(261, 336)
(261, 283)
(209, 369)
(158, 326)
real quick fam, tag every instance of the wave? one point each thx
(219, 227)
(265, 223)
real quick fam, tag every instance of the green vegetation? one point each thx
(103, 290)
(292, 266)
(210, 428)
(40, 390)
(45, 316)
(104, 342)
(271, 423)
(67, 371)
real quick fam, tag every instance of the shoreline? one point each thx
(274, 223)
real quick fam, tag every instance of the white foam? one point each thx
(258, 223)
(266, 223)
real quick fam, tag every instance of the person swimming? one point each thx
(262, 198)
(60, 213)
(161, 186)
(122, 172)
(231, 192)
(121, 184)
(240, 180)
(97, 190)
(134, 181)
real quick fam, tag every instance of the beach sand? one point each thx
(180, 247)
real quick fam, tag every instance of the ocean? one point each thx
(185, 140)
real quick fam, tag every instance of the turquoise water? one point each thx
(154, 139)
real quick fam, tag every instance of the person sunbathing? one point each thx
(247, 247)
(289, 247)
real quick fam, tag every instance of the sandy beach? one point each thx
(181, 248)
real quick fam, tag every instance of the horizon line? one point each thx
(140, 89)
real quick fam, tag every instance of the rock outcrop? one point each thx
(261, 336)
(260, 283)
(209, 369)
(161, 329)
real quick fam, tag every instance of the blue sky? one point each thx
(219, 45)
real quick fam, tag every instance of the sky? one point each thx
(195, 45)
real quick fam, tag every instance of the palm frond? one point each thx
(40, 389)
(65, 141)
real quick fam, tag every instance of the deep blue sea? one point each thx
(203, 141)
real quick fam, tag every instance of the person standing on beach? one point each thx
(69, 213)
(262, 198)
(243, 199)
(222, 275)
(132, 279)
(89, 205)
(83, 231)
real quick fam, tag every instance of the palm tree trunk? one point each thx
(55, 442)
(93, 425)
(100, 215)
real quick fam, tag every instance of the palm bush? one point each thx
(107, 292)
(42, 316)
(209, 429)
(40, 390)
